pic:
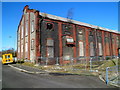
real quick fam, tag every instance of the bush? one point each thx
(107, 58)
(20, 61)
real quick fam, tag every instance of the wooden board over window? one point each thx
(81, 49)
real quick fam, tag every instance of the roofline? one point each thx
(75, 22)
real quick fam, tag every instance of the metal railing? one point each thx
(113, 75)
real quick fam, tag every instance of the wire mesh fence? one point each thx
(82, 63)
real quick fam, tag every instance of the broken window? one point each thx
(70, 40)
(91, 33)
(80, 34)
(68, 27)
(91, 40)
(50, 48)
(106, 40)
(49, 26)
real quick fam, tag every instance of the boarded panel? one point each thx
(100, 49)
(21, 48)
(22, 31)
(50, 52)
(50, 42)
(81, 49)
(26, 50)
(92, 49)
(26, 28)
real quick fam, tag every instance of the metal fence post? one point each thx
(57, 61)
(46, 61)
(90, 64)
(107, 79)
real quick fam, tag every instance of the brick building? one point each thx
(42, 35)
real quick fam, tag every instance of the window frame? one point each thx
(50, 46)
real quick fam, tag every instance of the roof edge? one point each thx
(75, 22)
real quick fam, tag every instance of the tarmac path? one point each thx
(13, 78)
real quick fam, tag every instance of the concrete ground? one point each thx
(13, 78)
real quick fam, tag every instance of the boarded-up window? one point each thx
(90, 38)
(50, 42)
(67, 57)
(81, 49)
(118, 41)
(50, 48)
(26, 28)
(91, 49)
(22, 31)
(80, 37)
(32, 26)
(32, 44)
(21, 48)
(26, 50)
(100, 49)
(50, 52)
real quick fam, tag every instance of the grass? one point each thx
(96, 65)
(109, 63)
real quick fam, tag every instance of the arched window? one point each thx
(91, 43)
(49, 26)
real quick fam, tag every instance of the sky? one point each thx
(103, 14)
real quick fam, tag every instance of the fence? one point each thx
(84, 63)
(113, 75)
